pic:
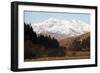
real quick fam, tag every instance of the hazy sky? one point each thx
(36, 16)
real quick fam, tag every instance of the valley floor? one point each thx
(71, 55)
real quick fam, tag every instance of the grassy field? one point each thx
(71, 55)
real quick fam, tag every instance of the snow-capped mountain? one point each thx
(59, 29)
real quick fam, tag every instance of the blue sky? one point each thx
(36, 16)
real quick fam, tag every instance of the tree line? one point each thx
(39, 45)
(77, 45)
(46, 41)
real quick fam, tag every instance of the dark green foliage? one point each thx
(29, 34)
(37, 46)
(85, 44)
(77, 45)
(47, 42)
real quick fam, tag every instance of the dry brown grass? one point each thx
(71, 55)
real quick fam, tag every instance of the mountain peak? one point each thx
(58, 28)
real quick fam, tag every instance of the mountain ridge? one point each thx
(60, 29)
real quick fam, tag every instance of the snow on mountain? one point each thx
(58, 28)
